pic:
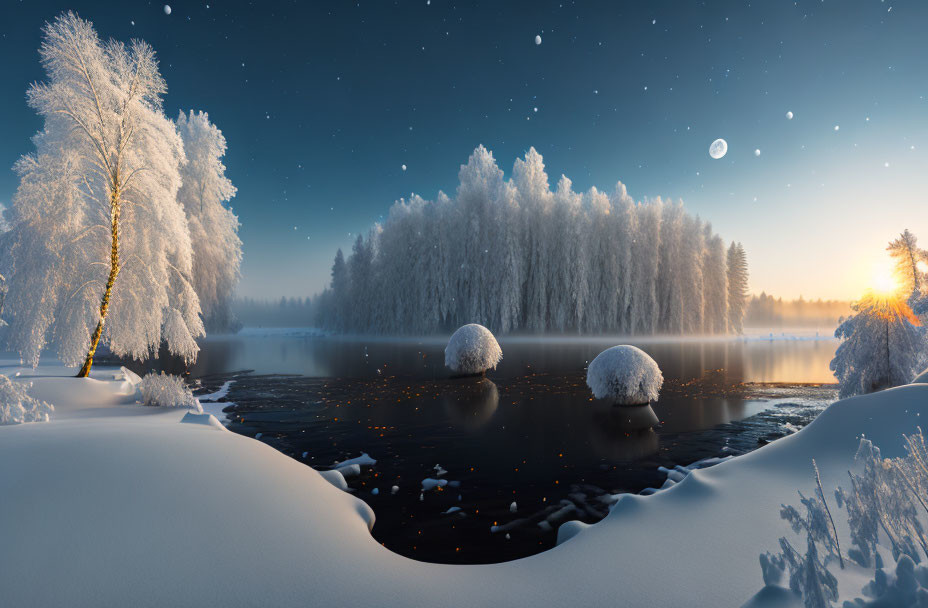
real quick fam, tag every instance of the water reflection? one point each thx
(780, 360)
(615, 440)
(471, 402)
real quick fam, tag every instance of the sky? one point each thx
(323, 103)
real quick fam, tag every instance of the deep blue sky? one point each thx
(323, 102)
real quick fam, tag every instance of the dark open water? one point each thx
(528, 433)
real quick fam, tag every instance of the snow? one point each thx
(222, 393)
(625, 375)
(207, 419)
(430, 484)
(115, 504)
(349, 470)
(363, 460)
(472, 349)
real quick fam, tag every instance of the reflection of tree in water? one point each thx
(615, 438)
(471, 402)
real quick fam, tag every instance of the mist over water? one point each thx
(765, 358)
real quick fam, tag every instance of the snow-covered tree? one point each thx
(341, 286)
(883, 346)
(4, 225)
(906, 254)
(99, 245)
(205, 191)
(514, 255)
(737, 287)
(715, 281)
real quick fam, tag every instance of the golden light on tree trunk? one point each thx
(111, 280)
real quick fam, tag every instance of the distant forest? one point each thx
(768, 312)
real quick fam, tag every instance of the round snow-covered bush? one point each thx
(472, 349)
(166, 390)
(625, 375)
(17, 407)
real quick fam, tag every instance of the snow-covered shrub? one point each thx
(472, 349)
(166, 390)
(626, 375)
(16, 406)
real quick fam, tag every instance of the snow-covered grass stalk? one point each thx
(17, 407)
(166, 390)
(831, 521)
(887, 501)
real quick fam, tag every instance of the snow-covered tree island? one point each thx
(514, 256)
(99, 248)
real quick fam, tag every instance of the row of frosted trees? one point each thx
(514, 255)
(118, 233)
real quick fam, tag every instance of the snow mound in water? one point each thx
(624, 374)
(17, 407)
(472, 349)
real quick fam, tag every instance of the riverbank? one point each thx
(114, 504)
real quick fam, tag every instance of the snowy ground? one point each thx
(116, 504)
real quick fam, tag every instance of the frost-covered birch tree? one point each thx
(205, 191)
(515, 256)
(99, 245)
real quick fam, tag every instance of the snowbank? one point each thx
(625, 375)
(472, 349)
(115, 504)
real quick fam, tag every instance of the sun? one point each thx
(883, 280)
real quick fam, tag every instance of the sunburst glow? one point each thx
(883, 280)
